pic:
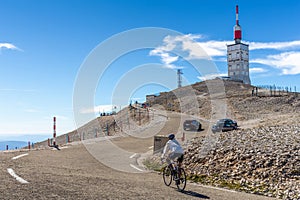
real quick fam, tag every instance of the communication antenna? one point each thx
(237, 27)
(179, 78)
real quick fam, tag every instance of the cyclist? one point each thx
(174, 150)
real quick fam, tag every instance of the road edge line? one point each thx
(131, 165)
(19, 156)
(18, 178)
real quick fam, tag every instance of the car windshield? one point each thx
(194, 122)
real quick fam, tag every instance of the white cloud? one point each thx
(219, 48)
(189, 44)
(165, 57)
(215, 48)
(210, 76)
(194, 50)
(171, 44)
(257, 70)
(274, 45)
(171, 66)
(100, 108)
(288, 62)
(8, 46)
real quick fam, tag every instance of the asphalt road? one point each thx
(105, 168)
(73, 173)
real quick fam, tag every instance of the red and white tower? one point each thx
(237, 27)
(238, 55)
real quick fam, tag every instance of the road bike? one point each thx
(175, 173)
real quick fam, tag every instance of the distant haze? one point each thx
(12, 145)
(24, 138)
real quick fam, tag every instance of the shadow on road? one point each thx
(195, 194)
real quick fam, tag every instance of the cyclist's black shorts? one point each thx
(180, 159)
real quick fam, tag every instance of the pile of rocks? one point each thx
(263, 160)
(257, 107)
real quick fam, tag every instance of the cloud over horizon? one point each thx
(286, 60)
(179, 44)
(210, 76)
(257, 70)
(101, 109)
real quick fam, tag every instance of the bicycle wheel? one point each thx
(167, 176)
(181, 183)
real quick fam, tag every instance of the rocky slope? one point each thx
(262, 157)
(264, 160)
(241, 104)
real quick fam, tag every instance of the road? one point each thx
(98, 169)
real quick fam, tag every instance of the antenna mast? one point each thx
(179, 78)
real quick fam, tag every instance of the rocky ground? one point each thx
(259, 107)
(262, 157)
(263, 160)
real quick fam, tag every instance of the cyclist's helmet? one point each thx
(171, 136)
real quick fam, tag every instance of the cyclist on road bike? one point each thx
(174, 150)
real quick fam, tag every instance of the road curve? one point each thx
(92, 171)
(73, 173)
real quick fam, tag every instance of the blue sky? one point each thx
(44, 43)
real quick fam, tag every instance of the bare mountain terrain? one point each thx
(241, 104)
(97, 160)
(261, 157)
(195, 101)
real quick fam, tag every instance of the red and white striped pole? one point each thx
(54, 130)
(237, 27)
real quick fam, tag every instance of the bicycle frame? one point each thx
(172, 172)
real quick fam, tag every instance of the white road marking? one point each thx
(132, 156)
(18, 178)
(19, 156)
(131, 165)
(150, 147)
(215, 188)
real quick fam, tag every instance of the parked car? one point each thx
(192, 125)
(224, 125)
